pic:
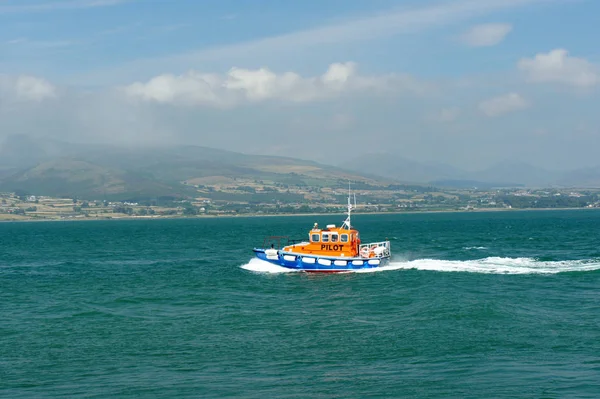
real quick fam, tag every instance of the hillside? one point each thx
(502, 174)
(98, 171)
(65, 177)
(55, 168)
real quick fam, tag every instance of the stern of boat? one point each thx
(377, 250)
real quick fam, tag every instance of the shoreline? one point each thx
(88, 219)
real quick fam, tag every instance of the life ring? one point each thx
(364, 252)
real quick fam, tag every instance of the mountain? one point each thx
(51, 167)
(583, 177)
(470, 184)
(437, 174)
(520, 173)
(20, 150)
(402, 169)
(64, 177)
(503, 174)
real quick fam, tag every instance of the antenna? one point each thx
(347, 221)
(349, 204)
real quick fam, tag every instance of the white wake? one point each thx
(262, 266)
(495, 265)
(491, 265)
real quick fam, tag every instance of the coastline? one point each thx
(256, 215)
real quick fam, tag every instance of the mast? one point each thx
(347, 221)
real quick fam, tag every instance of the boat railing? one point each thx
(279, 241)
(379, 249)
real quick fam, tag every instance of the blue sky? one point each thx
(467, 82)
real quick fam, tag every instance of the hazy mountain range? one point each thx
(57, 168)
(503, 174)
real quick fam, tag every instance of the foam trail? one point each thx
(261, 266)
(497, 265)
(492, 265)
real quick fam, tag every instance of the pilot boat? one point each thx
(328, 250)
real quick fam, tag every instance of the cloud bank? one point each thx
(26, 88)
(241, 85)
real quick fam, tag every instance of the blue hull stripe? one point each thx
(347, 264)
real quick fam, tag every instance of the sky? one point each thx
(468, 83)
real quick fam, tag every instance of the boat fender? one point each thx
(272, 254)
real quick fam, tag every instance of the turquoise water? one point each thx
(480, 305)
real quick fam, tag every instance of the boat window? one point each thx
(334, 237)
(315, 238)
(325, 237)
(344, 238)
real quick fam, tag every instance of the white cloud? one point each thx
(194, 88)
(558, 67)
(191, 88)
(503, 104)
(34, 89)
(14, 7)
(486, 35)
(26, 88)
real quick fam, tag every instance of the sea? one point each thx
(473, 305)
